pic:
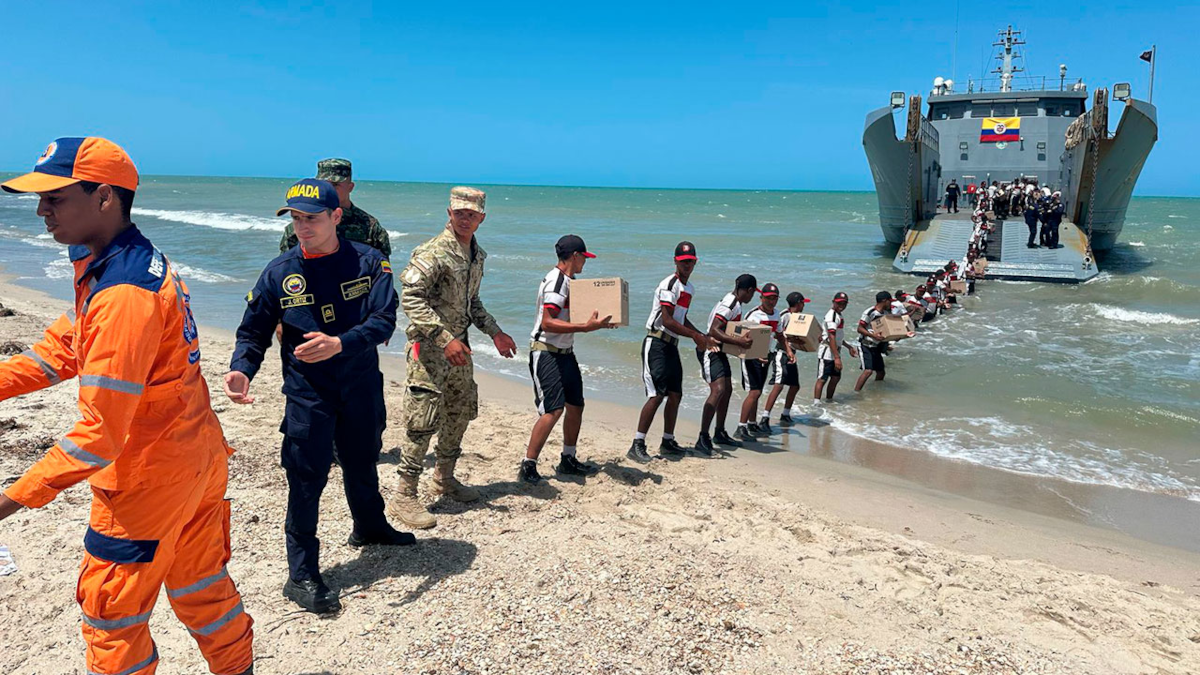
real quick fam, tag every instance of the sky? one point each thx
(764, 95)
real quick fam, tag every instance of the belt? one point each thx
(543, 347)
(662, 335)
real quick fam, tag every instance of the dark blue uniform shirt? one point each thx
(348, 293)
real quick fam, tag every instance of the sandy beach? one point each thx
(770, 560)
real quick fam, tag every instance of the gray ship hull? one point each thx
(1121, 158)
(904, 174)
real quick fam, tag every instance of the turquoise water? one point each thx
(1096, 383)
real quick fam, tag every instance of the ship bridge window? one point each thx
(1003, 110)
(1027, 110)
(1051, 111)
(957, 112)
(1070, 110)
(981, 110)
(940, 113)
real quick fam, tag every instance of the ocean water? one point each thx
(1096, 383)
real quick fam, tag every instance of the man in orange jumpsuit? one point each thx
(149, 443)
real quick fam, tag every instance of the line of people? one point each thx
(154, 451)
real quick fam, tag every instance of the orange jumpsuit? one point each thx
(154, 453)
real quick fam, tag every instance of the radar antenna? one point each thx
(1009, 39)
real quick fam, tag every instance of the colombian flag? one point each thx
(1000, 129)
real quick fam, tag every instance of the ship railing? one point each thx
(929, 135)
(1033, 83)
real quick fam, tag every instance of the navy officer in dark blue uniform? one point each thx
(336, 302)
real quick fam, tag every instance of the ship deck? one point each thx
(931, 243)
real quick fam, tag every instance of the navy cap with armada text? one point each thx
(311, 196)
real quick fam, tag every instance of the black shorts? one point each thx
(713, 365)
(871, 358)
(754, 374)
(782, 371)
(662, 371)
(556, 381)
(826, 369)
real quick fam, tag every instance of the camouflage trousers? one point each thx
(438, 399)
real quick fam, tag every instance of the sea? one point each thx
(1094, 383)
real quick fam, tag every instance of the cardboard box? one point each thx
(915, 312)
(804, 332)
(608, 296)
(759, 349)
(958, 287)
(893, 327)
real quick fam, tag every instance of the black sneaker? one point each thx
(570, 465)
(786, 421)
(637, 452)
(670, 448)
(390, 538)
(704, 446)
(743, 435)
(722, 437)
(756, 430)
(529, 473)
(313, 595)
(764, 425)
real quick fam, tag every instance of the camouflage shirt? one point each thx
(440, 291)
(356, 225)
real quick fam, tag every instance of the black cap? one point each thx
(900, 294)
(841, 297)
(745, 281)
(569, 245)
(796, 298)
(882, 295)
(770, 289)
(685, 250)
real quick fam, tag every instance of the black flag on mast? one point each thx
(1147, 56)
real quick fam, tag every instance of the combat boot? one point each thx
(444, 483)
(405, 507)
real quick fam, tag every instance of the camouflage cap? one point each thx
(467, 198)
(334, 170)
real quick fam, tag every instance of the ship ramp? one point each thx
(930, 244)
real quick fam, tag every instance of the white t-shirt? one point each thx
(554, 291)
(728, 309)
(675, 295)
(833, 322)
(929, 301)
(898, 308)
(867, 317)
(760, 316)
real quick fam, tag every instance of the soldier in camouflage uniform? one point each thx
(440, 296)
(356, 225)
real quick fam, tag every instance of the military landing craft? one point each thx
(1005, 127)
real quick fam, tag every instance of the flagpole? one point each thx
(1153, 58)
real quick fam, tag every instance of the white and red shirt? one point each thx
(728, 309)
(869, 315)
(833, 323)
(899, 308)
(554, 294)
(759, 315)
(674, 296)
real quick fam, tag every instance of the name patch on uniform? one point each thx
(296, 301)
(294, 284)
(386, 266)
(327, 313)
(357, 287)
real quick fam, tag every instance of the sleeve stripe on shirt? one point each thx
(110, 383)
(49, 371)
(82, 455)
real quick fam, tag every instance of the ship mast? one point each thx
(1008, 40)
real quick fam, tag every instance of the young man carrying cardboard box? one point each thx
(714, 364)
(557, 382)
(784, 372)
(754, 370)
(871, 342)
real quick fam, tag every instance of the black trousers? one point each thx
(1051, 229)
(311, 428)
(1032, 222)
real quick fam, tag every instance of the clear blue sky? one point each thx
(730, 94)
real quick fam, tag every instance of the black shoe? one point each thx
(786, 421)
(764, 426)
(637, 452)
(756, 430)
(570, 465)
(670, 448)
(1031, 245)
(528, 473)
(313, 595)
(389, 538)
(722, 437)
(704, 446)
(743, 435)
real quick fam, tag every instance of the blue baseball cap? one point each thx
(311, 196)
